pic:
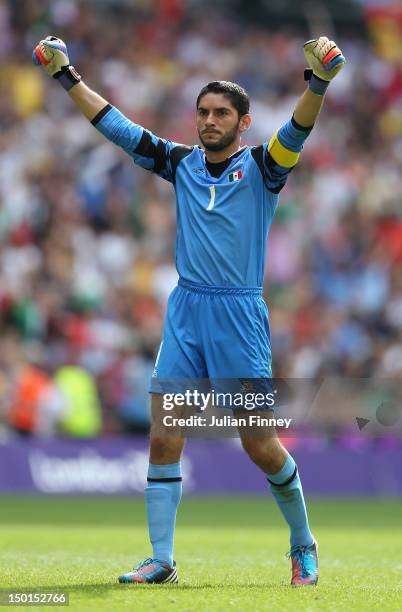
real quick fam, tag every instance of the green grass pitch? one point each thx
(230, 554)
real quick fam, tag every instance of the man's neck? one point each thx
(219, 156)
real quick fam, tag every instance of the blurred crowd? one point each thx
(87, 239)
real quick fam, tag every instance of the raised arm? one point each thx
(325, 60)
(52, 54)
(89, 102)
(147, 150)
(308, 108)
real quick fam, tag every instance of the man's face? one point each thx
(218, 122)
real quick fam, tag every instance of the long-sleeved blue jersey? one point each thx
(222, 223)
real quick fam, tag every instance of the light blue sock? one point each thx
(287, 490)
(163, 495)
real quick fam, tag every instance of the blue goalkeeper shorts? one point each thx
(212, 333)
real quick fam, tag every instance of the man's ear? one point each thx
(245, 122)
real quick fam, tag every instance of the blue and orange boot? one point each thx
(152, 571)
(304, 565)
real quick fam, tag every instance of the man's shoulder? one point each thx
(180, 152)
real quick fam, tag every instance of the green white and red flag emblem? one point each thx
(235, 176)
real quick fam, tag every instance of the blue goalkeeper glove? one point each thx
(325, 60)
(52, 54)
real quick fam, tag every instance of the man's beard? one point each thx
(224, 142)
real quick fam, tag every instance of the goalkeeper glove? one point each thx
(325, 60)
(52, 54)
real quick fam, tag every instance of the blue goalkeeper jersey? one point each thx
(222, 222)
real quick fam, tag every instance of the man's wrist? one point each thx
(67, 77)
(316, 85)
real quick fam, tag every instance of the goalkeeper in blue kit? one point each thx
(216, 325)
